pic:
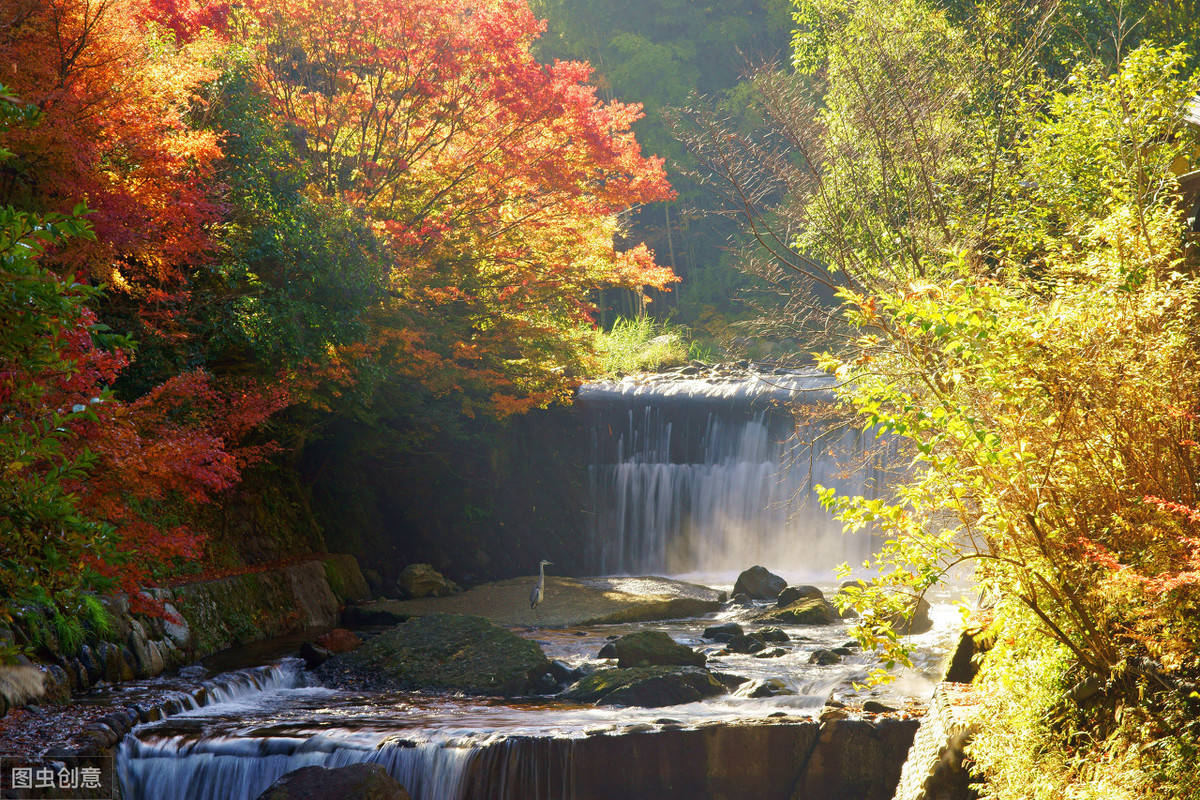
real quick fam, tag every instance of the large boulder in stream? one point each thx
(567, 602)
(422, 580)
(808, 611)
(654, 648)
(447, 652)
(759, 583)
(353, 782)
(793, 593)
(651, 687)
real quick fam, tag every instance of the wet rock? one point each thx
(876, 707)
(751, 643)
(422, 580)
(564, 673)
(91, 664)
(759, 584)
(609, 650)
(176, 628)
(450, 652)
(113, 659)
(338, 640)
(138, 645)
(793, 593)
(843, 651)
(354, 782)
(56, 685)
(773, 634)
(774, 652)
(654, 648)
(650, 687)
(916, 621)
(741, 599)
(723, 632)
(729, 681)
(100, 734)
(810, 611)
(824, 658)
(770, 687)
(545, 683)
(314, 655)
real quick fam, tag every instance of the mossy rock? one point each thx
(345, 579)
(809, 611)
(654, 648)
(650, 687)
(453, 652)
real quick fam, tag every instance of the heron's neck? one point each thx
(542, 571)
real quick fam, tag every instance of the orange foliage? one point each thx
(114, 100)
(496, 180)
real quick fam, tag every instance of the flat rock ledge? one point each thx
(568, 602)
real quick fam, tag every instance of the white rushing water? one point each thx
(694, 475)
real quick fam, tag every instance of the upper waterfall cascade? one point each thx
(711, 473)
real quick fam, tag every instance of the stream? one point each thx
(696, 475)
(254, 725)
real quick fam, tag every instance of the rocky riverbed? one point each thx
(454, 703)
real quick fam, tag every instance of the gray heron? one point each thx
(538, 593)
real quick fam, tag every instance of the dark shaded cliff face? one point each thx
(484, 505)
(662, 474)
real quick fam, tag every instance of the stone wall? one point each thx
(203, 618)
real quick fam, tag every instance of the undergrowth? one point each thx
(643, 344)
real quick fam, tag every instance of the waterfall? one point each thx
(233, 768)
(714, 474)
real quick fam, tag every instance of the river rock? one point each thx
(723, 632)
(650, 687)
(793, 593)
(750, 643)
(338, 640)
(175, 627)
(314, 655)
(654, 648)
(770, 687)
(759, 584)
(56, 685)
(809, 611)
(773, 634)
(774, 652)
(422, 580)
(449, 652)
(917, 621)
(353, 782)
(564, 673)
(824, 658)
